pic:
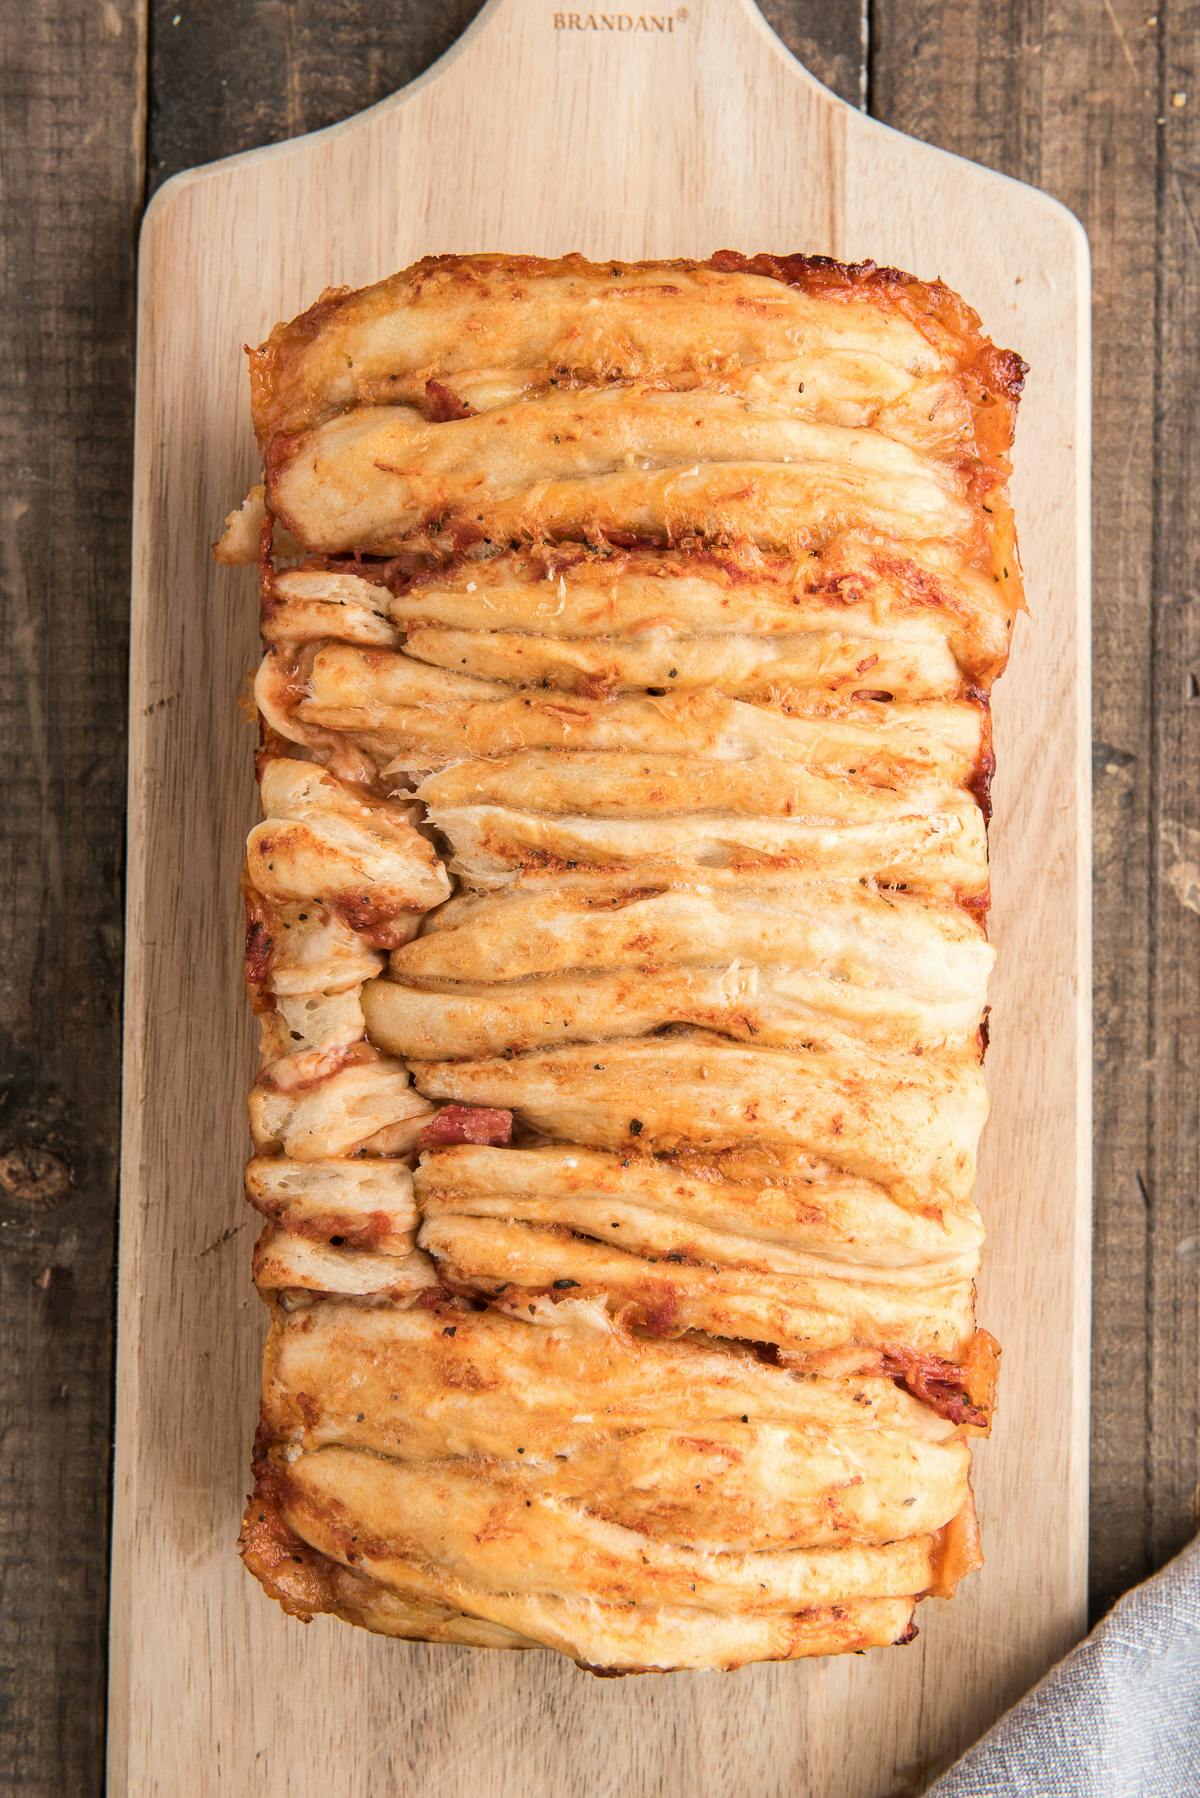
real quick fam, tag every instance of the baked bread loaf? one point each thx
(616, 926)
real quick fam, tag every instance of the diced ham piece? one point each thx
(467, 1123)
(442, 403)
(939, 1384)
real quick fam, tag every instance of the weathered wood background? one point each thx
(1094, 100)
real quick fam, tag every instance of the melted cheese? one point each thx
(626, 742)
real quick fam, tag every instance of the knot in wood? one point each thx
(33, 1175)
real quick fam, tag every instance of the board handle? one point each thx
(706, 43)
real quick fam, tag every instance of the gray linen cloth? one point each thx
(1119, 1718)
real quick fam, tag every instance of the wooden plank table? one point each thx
(1094, 102)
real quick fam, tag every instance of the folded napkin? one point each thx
(1119, 1718)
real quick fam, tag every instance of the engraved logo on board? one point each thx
(662, 23)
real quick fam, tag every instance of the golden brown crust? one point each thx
(553, 1520)
(616, 933)
(287, 390)
(553, 344)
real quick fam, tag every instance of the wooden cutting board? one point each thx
(618, 134)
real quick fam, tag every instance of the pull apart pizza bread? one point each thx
(616, 927)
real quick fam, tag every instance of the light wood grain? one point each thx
(528, 137)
